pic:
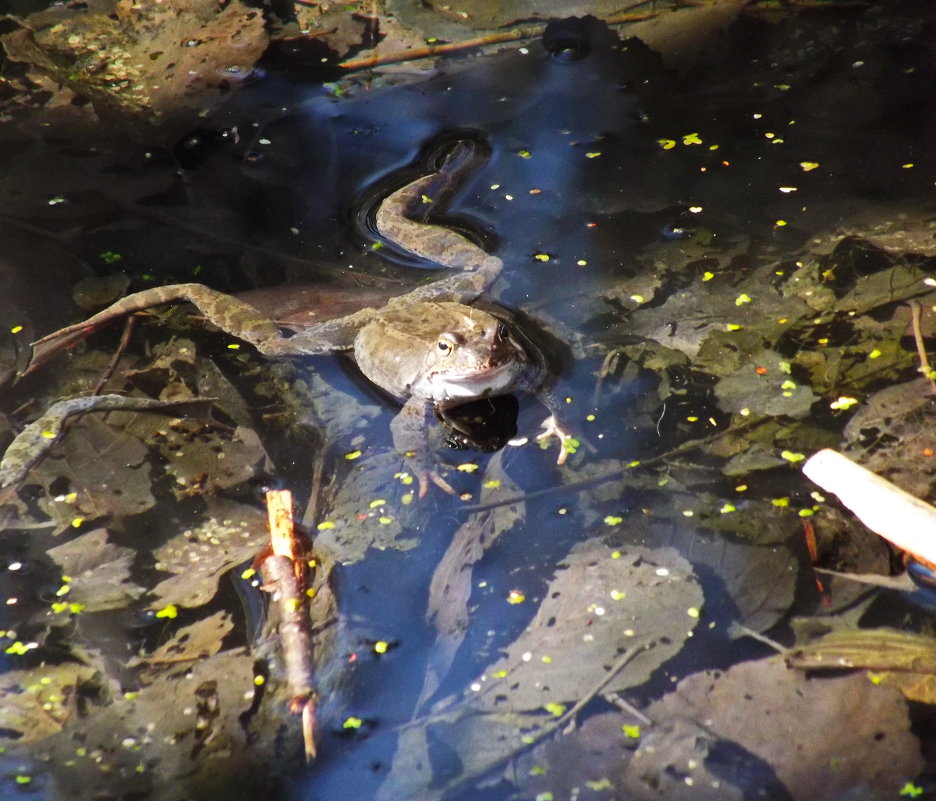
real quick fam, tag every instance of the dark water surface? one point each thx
(581, 195)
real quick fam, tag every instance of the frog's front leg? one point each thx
(554, 426)
(409, 429)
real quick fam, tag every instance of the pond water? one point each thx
(719, 256)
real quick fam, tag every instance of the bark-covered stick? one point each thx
(898, 516)
(281, 571)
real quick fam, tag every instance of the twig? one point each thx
(603, 682)
(626, 706)
(516, 35)
(315, 488)
(111, 368)
(419, 53)
(740, 630)
(901, 583)
(284, 572)
(916, 312)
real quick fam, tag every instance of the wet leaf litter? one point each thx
(738, 334)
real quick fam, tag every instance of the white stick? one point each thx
(898, 516)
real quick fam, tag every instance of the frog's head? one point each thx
(475, 355)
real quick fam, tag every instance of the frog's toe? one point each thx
(424, 477)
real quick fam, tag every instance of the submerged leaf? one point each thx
(608, 620)
(99, 571)
(763, 385)
(820, 736)
(200, 640)
(200, 556)
(38, 703)
(184, 736)
(602, 606)
(37, 439)
(901, 659)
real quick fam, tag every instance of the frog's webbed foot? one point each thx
(568, 442)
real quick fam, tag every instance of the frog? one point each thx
(431, 348)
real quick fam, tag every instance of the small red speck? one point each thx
(591, 225)
(352, 659)
(535, 191)
(761, 371)
(361, 516)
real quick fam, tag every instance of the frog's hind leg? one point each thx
(452, 160)
(403, 216)
(229, 314)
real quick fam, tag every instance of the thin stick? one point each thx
(315, 489)
(516, 35)
(603, 682)
(612, 475)
(108, 373)
(418, 53)
(916, 312)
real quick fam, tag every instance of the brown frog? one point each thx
(428, 348)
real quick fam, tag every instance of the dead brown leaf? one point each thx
(198, 557)
(151, 61)
(821, 736)
(98, 571)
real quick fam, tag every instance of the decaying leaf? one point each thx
(97, 471)
(820, 737)
(756, 573)
(154, 61)
(181, 737)
(896, 658)
(37, 439)
(608, 620)
(40, 703)
(891, 431)
(451, 584)
(602, 604)
(206, 459)
(200, 640)
(366, 513)
(98, 571)
(233, 534)
(764, 385)
(589, 761)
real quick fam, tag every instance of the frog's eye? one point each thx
(501, 333)
(447, 344)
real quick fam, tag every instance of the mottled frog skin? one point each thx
(442, 352)
(428, 348)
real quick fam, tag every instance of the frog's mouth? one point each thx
(492, 380)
